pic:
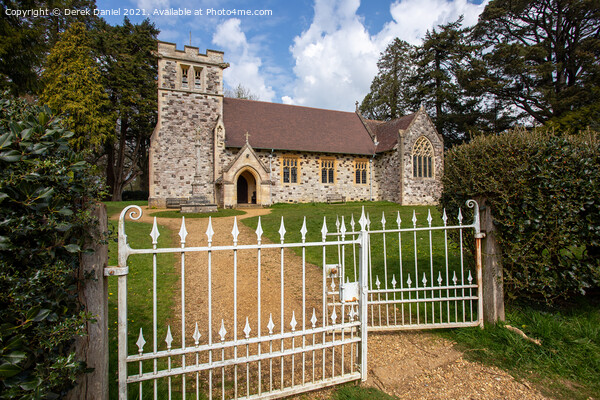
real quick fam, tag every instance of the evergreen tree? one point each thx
(542, 58)
(26, 40)
(441, 62)
(390, 93)
(129, 70)
(73, 89)
(20, 52)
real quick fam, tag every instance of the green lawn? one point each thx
(316, 214)
(222, 212)
(430, 265)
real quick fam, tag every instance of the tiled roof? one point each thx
(387, 132)
(285, 127)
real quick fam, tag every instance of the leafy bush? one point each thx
(544, 192)
(45, 188)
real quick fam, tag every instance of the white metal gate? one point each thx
(315, 334)
(415, 290)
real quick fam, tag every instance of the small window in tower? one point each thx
(184, 75)
(198, 77)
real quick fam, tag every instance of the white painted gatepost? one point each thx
(322, 344)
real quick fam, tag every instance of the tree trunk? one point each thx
(110, 170)
(144, 164)
(117, 164)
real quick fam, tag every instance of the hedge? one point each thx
(45, 188)
(544, 192)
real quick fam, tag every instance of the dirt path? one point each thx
(196, 277)
(409, 365)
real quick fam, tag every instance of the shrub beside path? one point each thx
(408, 365)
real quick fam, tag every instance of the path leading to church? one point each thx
(409, 365)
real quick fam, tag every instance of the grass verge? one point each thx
(351, 391)
(567, 363)
(222, 212)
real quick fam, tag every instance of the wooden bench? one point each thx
(176, 202)
(336, 198)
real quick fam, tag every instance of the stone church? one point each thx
(211, 150)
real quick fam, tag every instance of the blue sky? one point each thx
(316, 53)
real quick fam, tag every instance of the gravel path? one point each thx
(409, 365)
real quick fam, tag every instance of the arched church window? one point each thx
(422, 156)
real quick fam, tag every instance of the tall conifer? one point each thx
(73, 89)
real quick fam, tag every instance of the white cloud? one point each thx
(336, 57)
(287, 100)
(412, 18)
(245, 65)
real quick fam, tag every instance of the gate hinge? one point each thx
(116, 271)
(480, 235)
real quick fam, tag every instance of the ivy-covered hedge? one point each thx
(44, 190)
(544, 192)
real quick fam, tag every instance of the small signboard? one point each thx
(349, 292)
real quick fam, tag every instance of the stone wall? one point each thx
(418, 191)
(387, 166)
(309, 187)
(186, 119)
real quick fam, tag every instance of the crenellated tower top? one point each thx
(189, 70)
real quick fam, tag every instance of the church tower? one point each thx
(190, 101)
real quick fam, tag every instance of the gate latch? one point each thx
(116, 271)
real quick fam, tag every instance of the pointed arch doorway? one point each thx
(246, 188)
(256, 176)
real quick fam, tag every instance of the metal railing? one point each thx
(411, 293)
(322, 316)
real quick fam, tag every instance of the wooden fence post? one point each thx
(93, 294)
(493, 283)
